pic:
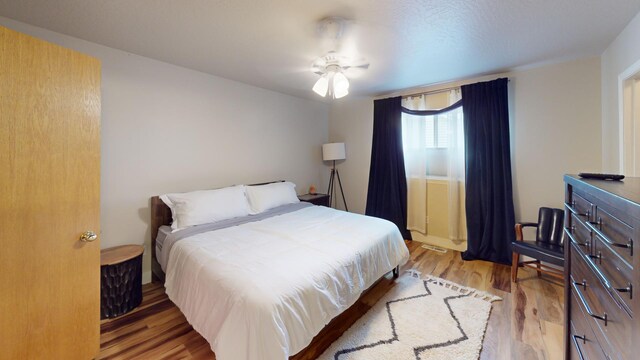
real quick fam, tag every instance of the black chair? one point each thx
(548, 246)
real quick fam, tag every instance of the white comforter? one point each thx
(263, 290)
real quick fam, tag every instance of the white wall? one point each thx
(555, 129)
(351, 122)
(621, 54)
(167, 129)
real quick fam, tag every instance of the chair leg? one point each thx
(538, 266)
(514, 266)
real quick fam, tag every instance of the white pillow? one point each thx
(206, 206)
(265, 197)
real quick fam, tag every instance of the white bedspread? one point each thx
(263, 290)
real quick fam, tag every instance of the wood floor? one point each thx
(526, 324)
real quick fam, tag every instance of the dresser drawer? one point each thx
(609, 321)
(616, 272)
(581, 206)
(580, 234)
(583, 341)
(616, 233)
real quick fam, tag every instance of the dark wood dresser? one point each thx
(602, 224)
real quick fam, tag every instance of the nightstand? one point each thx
(315, 199)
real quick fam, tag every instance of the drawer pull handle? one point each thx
(598, 223)
(575, 344)
(583, 338)
(628, 289)
(628, 245)
(588, 258)
(598, 231)
(597, 257)
(568, 231)
(574, 211)
(602, 317)
(583, 284)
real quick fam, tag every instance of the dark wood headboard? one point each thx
(161, 215)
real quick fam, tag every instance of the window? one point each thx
(431, 143)
(433, 149)
(436, 132)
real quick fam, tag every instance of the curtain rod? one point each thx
(435, 91)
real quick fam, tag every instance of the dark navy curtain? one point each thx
(489, 197)
(387, 193)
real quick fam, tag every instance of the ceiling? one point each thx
(271, 44)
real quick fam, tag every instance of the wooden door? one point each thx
(630, 135)
(49, 195)
(636, 124)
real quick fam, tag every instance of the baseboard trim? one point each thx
(440, 242)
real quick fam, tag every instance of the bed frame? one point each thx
(161, 215)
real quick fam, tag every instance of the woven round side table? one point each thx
(120, 280)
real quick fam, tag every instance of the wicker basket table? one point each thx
(120, 280)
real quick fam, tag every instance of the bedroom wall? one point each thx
(555, 127)
(170, 129)
(621, 54)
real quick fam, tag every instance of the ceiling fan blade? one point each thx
(360, 66)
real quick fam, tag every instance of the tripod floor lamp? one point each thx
(333, 152)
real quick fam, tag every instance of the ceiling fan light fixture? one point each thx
(340, 81)
(321, 86)
(340, 92)
(332, 82)
(334, 66)
(340, 85)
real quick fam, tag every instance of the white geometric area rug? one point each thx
(418, 319)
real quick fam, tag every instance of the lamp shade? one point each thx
(340, 92)
(321, 86)
(333, 151)
(340, 82)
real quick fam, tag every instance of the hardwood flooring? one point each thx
(526, 324)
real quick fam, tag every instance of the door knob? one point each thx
(88, 236)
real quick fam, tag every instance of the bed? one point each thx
(262, 287)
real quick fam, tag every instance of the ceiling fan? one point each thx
(333, 66)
